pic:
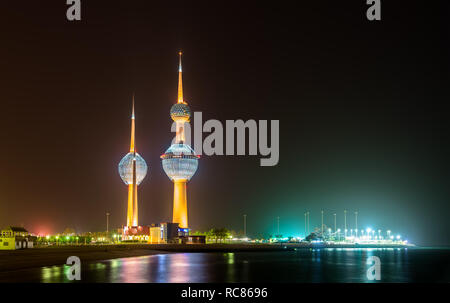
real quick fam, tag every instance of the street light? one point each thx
(107, 222)
(334, 222)
(245, 226)
(278, 225)
(321, 228)
(368, 230)
(308, 220)
(345, 219)
(306, 232)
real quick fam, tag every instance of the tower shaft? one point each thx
(180, 203)
(132, 149)
(180, 138)
(132, 213)
(180, 82)
(135, 205)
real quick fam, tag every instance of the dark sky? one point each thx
(361, 105)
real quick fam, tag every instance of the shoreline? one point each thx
(57, 255)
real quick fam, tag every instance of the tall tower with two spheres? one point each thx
(180, 161)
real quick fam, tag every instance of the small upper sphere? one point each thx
(180, 112)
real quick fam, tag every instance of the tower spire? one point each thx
(180, 81)
(132, 148)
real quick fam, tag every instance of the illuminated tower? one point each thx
(132, 170)
(179, 161)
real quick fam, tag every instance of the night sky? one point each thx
(361, 105)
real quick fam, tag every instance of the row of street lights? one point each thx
(370, 234)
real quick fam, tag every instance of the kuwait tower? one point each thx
(132, 170)
(179, 161)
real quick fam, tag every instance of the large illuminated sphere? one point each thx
(180, 162)
(126, 168)
(180, 112)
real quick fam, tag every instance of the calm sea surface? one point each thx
(305, 265)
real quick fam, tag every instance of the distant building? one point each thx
(154, 233)
(162, 233)
(136, 233)
(13, 237)
(193, 239)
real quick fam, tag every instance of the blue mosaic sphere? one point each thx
(179, 162)
(126, 168)
(180, 112)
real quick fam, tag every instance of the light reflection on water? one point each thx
(302, 265)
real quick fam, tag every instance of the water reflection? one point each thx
(53, 274)
(180, 270)
(304, 265)
(231, 272)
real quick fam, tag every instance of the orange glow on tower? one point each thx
(180, 81)
(132, 129)
(179, 161)
(132, 170)
(180, 213)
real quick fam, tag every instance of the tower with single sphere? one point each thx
(180, 161)
(132, 170)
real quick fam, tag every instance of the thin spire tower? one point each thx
(180, 81)
(132, 170)
(133, 129)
